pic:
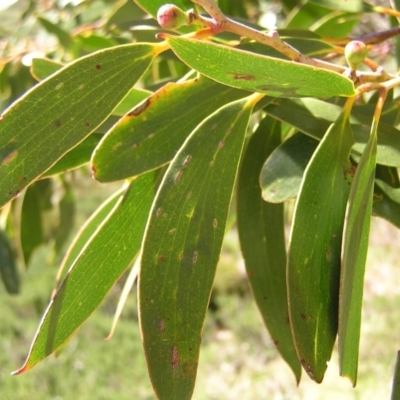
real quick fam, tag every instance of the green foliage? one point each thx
(188, 119)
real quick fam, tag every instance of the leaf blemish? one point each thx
(221, 144)
(60, 85)
(9, 157)
(215, 223)
(189, 195)
(158, 212)
(139, 109)
(186, 161)
(135, 146)
(57, 123)
(161, 325)
(178, 176)
(171, 231)
(98, 66)
(175, 358)
(195, 256)
(245, 77)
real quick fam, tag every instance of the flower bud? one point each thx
(170, 16)
(355, 53)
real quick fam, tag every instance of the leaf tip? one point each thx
(20, 371)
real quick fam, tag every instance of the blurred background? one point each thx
(238, 359)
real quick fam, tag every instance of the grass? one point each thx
(238, 359)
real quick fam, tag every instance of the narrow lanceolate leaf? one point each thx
(282, 172)
(8, 267)
(355, 248)
(396, 380)
(99, 265)
(315, 248)
(182, 245)
(387, 195)
(262, 240)
(62, 110)
(151, 134)
(258, 73)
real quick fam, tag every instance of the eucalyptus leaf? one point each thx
(262, 240)
(254, 72)
(59, 112)
(8, 266)
(181, 247)
(315, 249)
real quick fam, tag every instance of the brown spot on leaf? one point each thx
(57, 123)
(135, 146)
(245, 77)
(175, 358)
(9, 157)
(195, 256)
(98, 66)
(215, 223)
(187, 161)
(161, 257)
(302, 316)
(139, 109)
(178, 176)
(221, 144)
(161, 325)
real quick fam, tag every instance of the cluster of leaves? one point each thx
(208, 118)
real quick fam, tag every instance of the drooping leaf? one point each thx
(31, 227)
(387, 195)
(99, 265)
(88, 230)
(282, 172)
(182, 245)
(355, 248)
(151, 134)
(66, 208)
(254, 72)
(262, 240)
(315, 249)
(396, 380)
(8, 267)
(62, 110)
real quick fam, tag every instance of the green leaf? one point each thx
(31, 228)
(8, 268)
(134, 97)
(43, 67)
(89, 229)
(62, 35)
(62, 110)
(101, 262)
(76, 157)
(313, 117)
(151, 134)
(337, 25)
(396, 380)
(315, 248)
(254, 72)
(262, 240)
(282, 173)
(387, 195)
(66, 208)
(182, 245)
(355, 248)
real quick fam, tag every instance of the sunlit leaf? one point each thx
(315, 249)
(182, 245)
(355, 247)
(99, 265)
(262, 240)
(62, 110)
(43, 67)
(249, 71)
(151, 134)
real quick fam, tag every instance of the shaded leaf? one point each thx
(62, 110)
(355, 248)
(262, 240)
(387, 195)
(315, 249)
(348, 5)
(396, 380)
(151, 134)
(313, 117)
(62, 35)
(282, 173)
(8, 268)
(182, 245)
(254, 72)
(99, 265)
